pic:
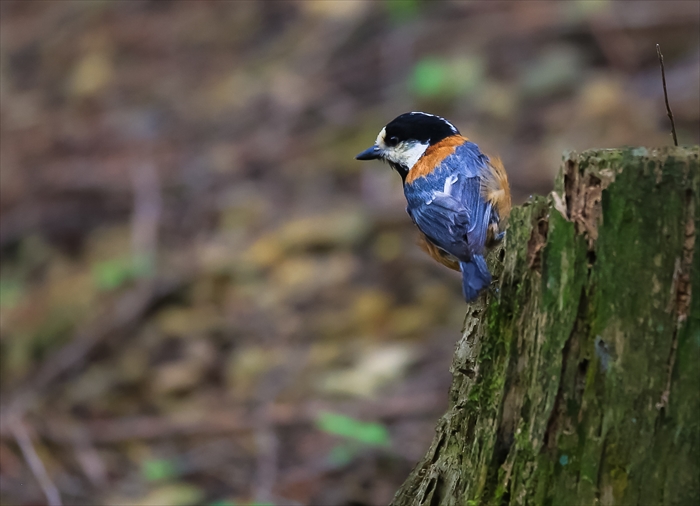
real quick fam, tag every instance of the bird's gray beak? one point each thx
(370, 154)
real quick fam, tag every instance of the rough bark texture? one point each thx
(577, 380)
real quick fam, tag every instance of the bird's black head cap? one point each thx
(418, 126)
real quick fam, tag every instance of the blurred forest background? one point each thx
(204, 298)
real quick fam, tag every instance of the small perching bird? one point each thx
(457, 196)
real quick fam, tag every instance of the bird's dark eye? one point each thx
(392, 141)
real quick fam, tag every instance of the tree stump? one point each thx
(577, 378)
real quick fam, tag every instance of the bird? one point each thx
(458, 197)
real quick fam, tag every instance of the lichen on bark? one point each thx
(576, 378)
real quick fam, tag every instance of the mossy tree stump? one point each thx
(577, 380)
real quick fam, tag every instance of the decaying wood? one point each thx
(576, 379)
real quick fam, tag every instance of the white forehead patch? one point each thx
(452, 127)
(380, 137)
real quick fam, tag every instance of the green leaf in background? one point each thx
(429, 77)
(223, 502)
(158, 469)
(10, 293)
(433, 76)
(113, 273)
(402, 10)
(374, 434)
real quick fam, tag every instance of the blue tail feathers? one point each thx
(475, 277)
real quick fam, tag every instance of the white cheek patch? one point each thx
(410, 154)
(405, 154)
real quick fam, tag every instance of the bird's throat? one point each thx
(401, 169)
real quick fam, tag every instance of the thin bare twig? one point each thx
(145, 220)
(267, 449)
(266, 439)
(19, 431)
(668, 107)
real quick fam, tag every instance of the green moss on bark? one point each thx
(576, 379)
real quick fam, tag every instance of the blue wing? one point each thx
(448, 207)
(455, 221)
